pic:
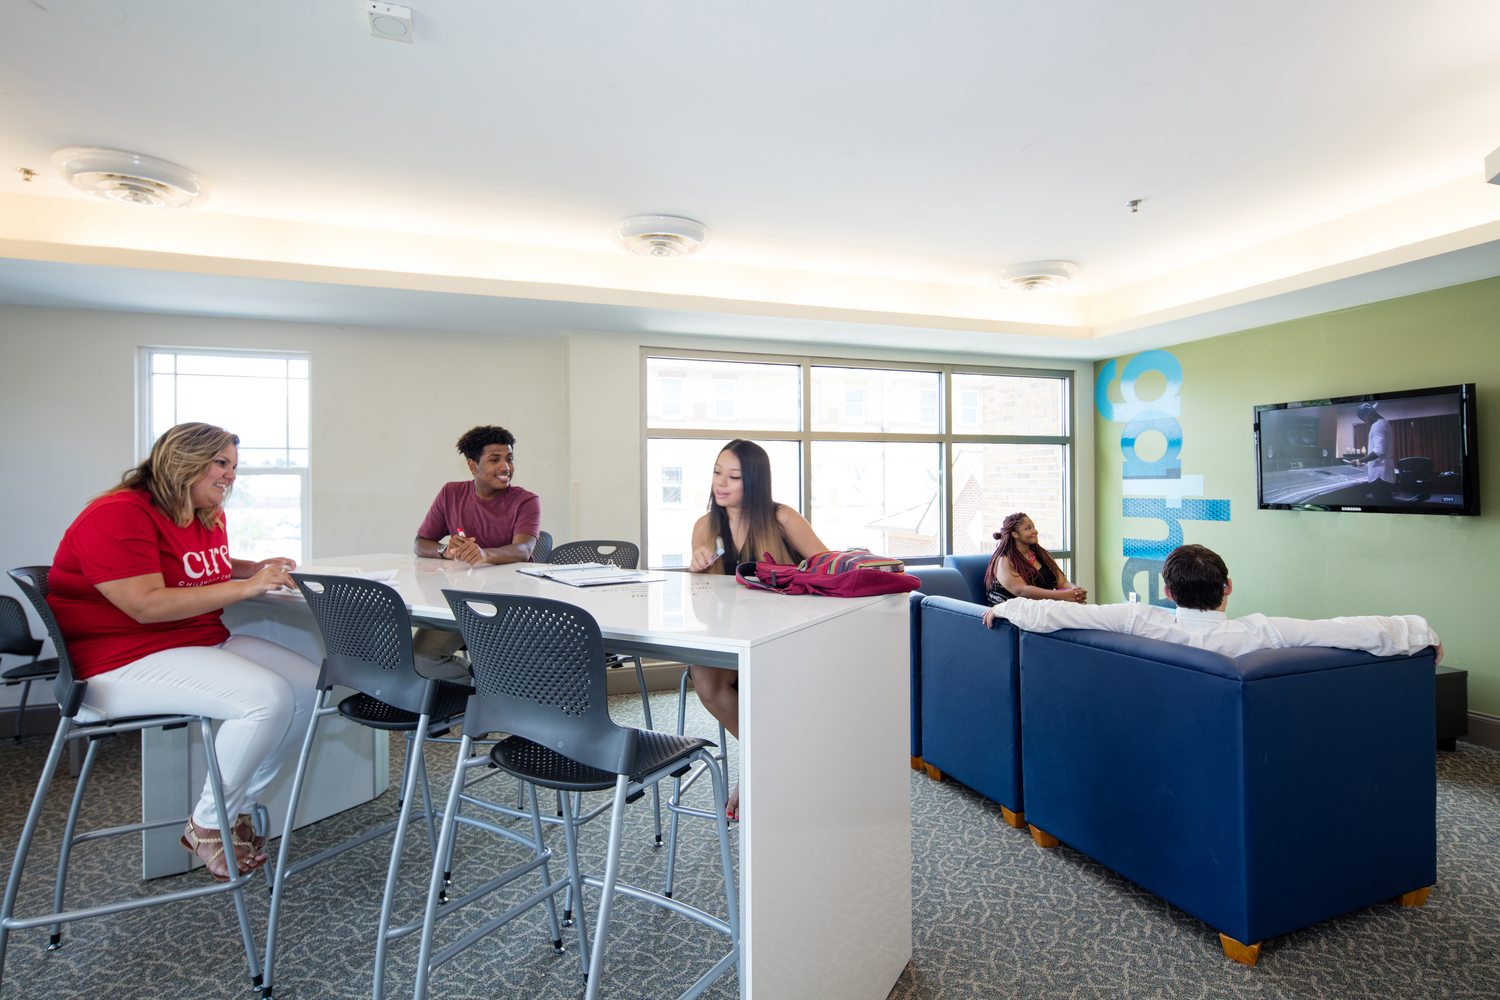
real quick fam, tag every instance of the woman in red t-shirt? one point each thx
(138, 588)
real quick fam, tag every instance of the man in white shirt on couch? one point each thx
(1198, 581)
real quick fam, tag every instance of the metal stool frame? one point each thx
(539, 669)
(69, 691)
(366, 632)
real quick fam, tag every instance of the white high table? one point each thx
(825, 838)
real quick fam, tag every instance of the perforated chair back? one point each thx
(542, 550)
(15, 630)
(367, 636)
(67, 690)
(539, 674)
(626, 555)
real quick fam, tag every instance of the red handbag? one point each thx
(783, 578)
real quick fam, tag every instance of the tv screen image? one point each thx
(1393, 452)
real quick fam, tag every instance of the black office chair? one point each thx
(539, 675)
(16, 640)
(69, 692)
(542, 550)
(367, 635)
(626, 555)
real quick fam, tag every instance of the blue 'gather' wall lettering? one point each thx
(1161, 481)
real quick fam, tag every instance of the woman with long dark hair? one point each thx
(1021, 567)
(138, 587)
(743, 524)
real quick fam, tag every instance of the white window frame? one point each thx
(673, 398)
(667, 484)
(854, 408)
(946, 437)
(143, 414)
(965, 409)
(721, 398)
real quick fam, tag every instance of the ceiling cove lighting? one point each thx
(661, 235)
(129, 178)
(1037, 275)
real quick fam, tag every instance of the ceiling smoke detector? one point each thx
(388, 20)
(129, 178)
(661, 235)
(1037, 275)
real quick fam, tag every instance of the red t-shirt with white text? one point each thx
(119, 536)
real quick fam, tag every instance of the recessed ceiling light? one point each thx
(387, 20)
(1037, 275)
(661, 235)
(129, 178)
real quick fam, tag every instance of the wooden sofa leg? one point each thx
(1416, 897)
(917, 765)
(1017, 820)
(933, 772)
(1044, 839)
(1245, 953)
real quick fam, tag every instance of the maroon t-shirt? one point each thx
(492, 523)
(119, 536)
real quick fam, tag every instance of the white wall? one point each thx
(387, 406)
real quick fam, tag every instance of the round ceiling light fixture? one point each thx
(1037, 275)
(661, 235)
(129, 178)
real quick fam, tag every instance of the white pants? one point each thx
(263, 693)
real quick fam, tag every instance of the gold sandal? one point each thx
(243, 835)
(199, 840)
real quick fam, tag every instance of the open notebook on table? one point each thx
(590, 574)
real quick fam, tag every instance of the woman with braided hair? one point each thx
(1020, 567)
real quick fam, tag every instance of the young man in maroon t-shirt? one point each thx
(486, 520)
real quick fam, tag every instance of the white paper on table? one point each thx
(593, 575)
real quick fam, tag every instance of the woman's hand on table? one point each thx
(703, 557)
(274, 574)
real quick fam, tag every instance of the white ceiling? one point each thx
(924, 143)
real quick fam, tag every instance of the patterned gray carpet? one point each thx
(995, 915)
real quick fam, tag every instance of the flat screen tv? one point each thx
(1411, 452)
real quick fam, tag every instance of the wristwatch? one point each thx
(442, 552)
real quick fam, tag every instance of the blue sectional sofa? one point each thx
(1259, 794)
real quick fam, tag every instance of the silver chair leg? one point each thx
(607, 894)
(435, 883)
(283, 851)
(640, 678)
(416, 761)
(13, 884)
(230, 856)
(541, 849)
(575, 888)
(55, 940)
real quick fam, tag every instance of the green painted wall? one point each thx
(1318, 565)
